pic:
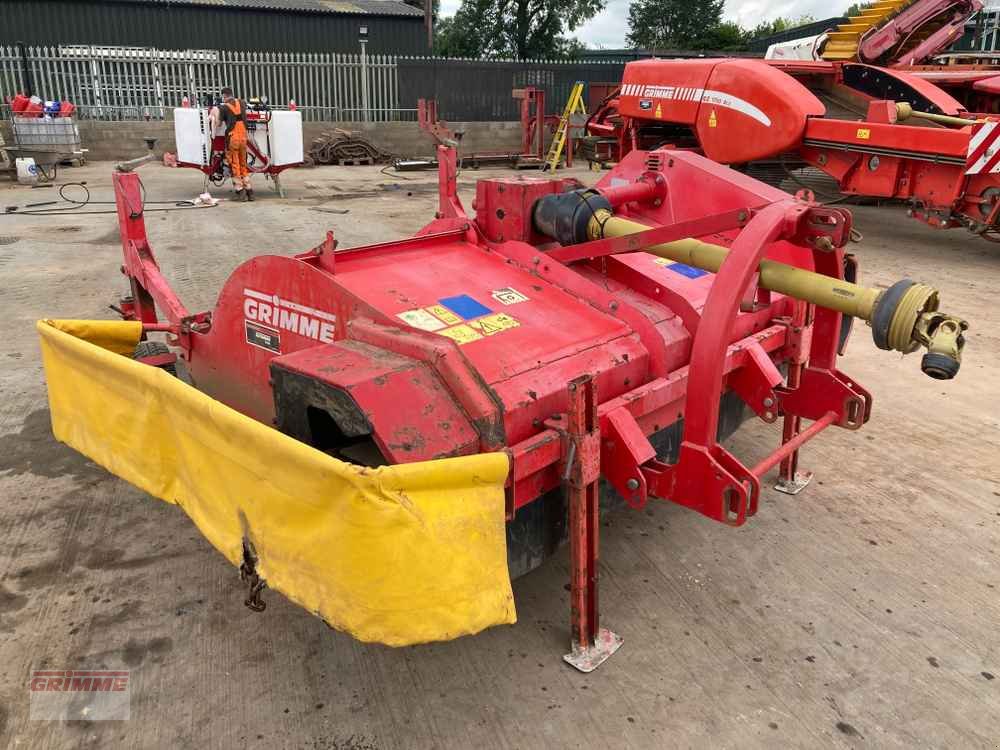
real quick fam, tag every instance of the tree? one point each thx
(521, 29)
(466, 34)
(779, 24)
(727, 36)
(660, 24)
(857, 8)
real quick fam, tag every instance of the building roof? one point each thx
(361, 7)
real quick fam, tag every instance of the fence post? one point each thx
(158, 83)
(192, 84)
(365, 83)
(29, 83)
(95, 77)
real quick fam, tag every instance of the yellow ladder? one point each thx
(573, 105)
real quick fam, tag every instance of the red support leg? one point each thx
(590, 644)
(790, 480)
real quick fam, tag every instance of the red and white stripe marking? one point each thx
(984, 149)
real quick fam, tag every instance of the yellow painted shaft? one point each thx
(904, 112)
(821, 290)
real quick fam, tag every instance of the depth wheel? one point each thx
(154, 349)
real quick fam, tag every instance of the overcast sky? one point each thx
(608, 29)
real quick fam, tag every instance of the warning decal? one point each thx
(477, 329)
(508, 296)
(420, 318)
(463, 334)
(492, 324)
(685, 270)
(463, 319)
(682, 268)
(465, 306)
(443, 313)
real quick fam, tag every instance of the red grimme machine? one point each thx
(741, 111)
(900, 36)
(618, 332)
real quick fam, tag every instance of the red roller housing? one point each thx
(740, 110)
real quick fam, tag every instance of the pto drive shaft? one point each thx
(903, 317)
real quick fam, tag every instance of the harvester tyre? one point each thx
(154, 349)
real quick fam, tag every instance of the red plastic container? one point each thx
(19, 103)
(66, 109)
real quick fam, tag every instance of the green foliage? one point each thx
(856, 9)
(778, 25)
(680, 24)
(522, 29)
(695, 25)
(526, 29)
(728, 36)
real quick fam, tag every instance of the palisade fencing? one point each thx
(480, 90)
(133, 83)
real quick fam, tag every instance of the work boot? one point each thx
(241, 196)
(249, 193)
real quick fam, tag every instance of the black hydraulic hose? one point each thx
(76, 204)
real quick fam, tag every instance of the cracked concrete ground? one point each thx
(861, 613)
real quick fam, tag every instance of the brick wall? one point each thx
(114, 141)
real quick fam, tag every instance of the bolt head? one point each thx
(632, 484)
(769, 402)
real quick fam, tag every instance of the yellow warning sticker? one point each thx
(659, 112)
(495, 323)
(864, 134)
(463, 334)
(713, 121)
(446, 315)
(421, 319)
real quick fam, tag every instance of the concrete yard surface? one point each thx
(863, 612)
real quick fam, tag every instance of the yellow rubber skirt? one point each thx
(398, 555)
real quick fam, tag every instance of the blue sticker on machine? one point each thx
(685, 270)
(465, 306)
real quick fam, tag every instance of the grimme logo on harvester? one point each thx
(267, 314)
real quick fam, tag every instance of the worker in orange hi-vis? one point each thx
(232, 115)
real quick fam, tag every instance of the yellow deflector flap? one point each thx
(399, 554)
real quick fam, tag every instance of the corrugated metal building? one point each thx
(276, 25)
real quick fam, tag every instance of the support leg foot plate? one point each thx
(795, 485)
(591, 657)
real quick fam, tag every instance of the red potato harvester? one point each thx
(583, 336)
(740, 111)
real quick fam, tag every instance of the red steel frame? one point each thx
(590, 438)
(909, 22)
(534, 123)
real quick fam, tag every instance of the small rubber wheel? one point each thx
(154, 349)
